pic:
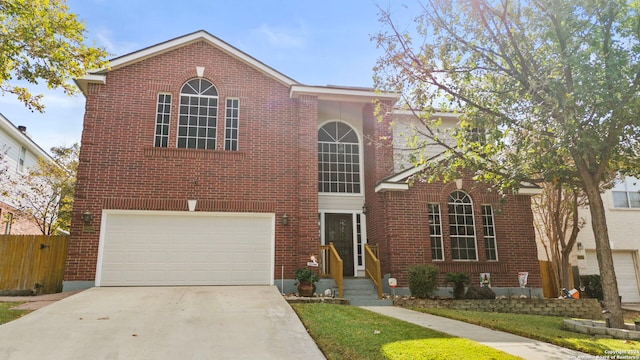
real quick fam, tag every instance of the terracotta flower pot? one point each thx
(306, 289)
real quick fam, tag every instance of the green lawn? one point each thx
(349, 332)
(544, 328)
(6, 314)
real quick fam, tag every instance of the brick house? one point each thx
(200, 165)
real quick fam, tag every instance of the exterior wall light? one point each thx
(86, 217)
(365, 208)
(285, 219)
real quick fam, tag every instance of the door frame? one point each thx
(358, 239)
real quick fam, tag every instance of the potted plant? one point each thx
(306, 279)
(458, 280)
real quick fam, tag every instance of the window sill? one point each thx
(179, 153)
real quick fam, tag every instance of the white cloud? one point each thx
(283, 37)
(115, 47)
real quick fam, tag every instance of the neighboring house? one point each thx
(200, 165)
(19, 154)
(622, 209)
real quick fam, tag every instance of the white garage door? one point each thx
(147, 248)
(626, 273)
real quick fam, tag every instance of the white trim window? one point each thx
(626, 193)
(197, 124)
(435, 231)
(232, 114)
(8, 218)
(163, 112)
(338, 159)
(461, 226)
(22, 159)
(489, 230)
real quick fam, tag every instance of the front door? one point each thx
(339, 230)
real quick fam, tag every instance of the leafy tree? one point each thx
(42, 41)
(67, 158)
(45, 192)
(551, 85)
(558, 223)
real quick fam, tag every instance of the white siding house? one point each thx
(622, 208)
(19, 153)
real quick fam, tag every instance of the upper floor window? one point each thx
(22, 158)
(163, 111)
(198, 119)
(461, 226)
(626, 193)
(338, 159)
(231, 124)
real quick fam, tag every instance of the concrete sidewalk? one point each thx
(509, 343)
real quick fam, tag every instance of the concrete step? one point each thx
(362, 292)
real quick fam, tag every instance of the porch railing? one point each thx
(331, 265)
(372, 266)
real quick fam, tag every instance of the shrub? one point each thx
(423, 280)
(592, 286)
(458, 280)
(475, 292)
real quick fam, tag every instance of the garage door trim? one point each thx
(106, 213)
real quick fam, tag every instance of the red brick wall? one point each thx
(21, 224)
(378, 164)
(274, 170)
(408, 229)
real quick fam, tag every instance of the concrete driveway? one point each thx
(218, 322)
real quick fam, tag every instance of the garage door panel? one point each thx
(186, 249)
(626, 273)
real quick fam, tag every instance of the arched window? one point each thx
(338, 159)
(198, 115)
(461, 226)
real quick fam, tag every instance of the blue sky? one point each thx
(313, 42)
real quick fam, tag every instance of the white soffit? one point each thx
(341, 93)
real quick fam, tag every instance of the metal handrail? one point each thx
(331, 265)
(372, 267)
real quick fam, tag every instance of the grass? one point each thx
(349, 332)
(6, 314)
(544, 328)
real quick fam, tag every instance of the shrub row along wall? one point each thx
(584, 309)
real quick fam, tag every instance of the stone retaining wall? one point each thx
(584, 309)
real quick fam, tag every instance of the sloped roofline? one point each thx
(399, 182)
(12, 130)
(99, 76)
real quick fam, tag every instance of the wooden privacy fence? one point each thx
(32, 263)
(550, 287)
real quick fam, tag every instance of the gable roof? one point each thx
(329, 92)
(400, 182)
(99, 76)
(22, 138)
